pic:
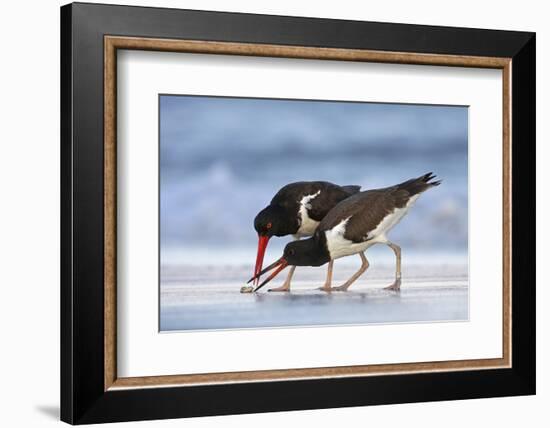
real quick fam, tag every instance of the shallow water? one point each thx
(199, 298)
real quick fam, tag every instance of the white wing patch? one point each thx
(307, 224)
(390, 221)
(338, 246)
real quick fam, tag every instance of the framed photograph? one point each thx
(266, 213)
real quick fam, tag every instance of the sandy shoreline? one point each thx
(207, 297)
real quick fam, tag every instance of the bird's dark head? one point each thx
(274, 220)
(308, 252)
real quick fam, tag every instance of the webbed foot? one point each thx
(282, 288)
(396, 286)
(343, 287)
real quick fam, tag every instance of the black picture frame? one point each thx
(83, 398)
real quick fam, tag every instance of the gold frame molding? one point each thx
(113, 43)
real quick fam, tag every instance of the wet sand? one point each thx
(207, 297)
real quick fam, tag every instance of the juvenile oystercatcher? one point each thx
(351, 227)
(296, 210)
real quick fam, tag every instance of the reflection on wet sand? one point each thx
(196, 302)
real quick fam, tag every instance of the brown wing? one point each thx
(365, 211)
(329, 195)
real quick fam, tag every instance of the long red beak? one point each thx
(279, 264)
(262, 245)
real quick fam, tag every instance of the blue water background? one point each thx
(222, 160)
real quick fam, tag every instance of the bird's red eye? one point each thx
(268, 225)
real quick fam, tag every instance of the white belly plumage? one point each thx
(338, 246)
(307, 224)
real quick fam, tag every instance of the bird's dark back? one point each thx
(328, 195)
(365, 210)
(370, 205)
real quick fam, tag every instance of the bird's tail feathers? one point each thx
(420, 184)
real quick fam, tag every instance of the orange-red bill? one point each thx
(262, 245)
(267, 269)
(279, 264)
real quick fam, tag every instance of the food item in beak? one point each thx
(247, 289)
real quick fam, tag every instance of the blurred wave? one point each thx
(222, 160)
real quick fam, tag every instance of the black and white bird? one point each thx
(351, 227)
(296, 209)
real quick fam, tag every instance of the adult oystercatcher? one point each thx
(351, 227)
(296, 209)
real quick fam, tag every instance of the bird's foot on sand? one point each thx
(282, 288)
(342, 287)
(326, 288)
(396, 286)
